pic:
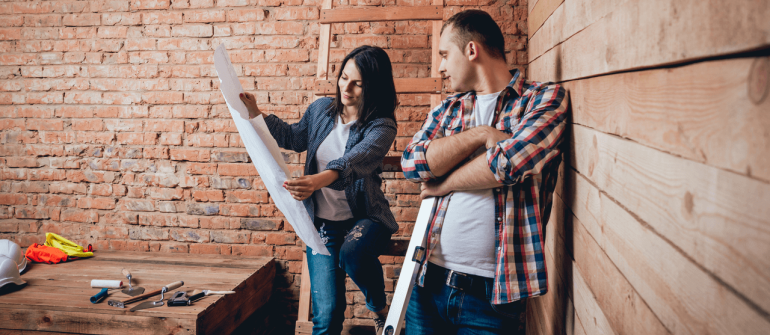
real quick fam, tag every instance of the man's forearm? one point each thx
(445, 153)
(474, 175)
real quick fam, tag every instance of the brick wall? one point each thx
(114, 132)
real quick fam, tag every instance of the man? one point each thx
(491, 156)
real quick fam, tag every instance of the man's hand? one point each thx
(433, 188)
(251, 104)
(493, 136)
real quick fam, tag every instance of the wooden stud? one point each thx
(435, 99)
(374, 14)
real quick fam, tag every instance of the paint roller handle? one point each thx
(174, 285)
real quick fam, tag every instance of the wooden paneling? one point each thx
(542, 10)
(645, 33)
(372, 14)
(718, 219)
(403, 85)
(703, 112)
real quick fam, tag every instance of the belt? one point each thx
(456, 280)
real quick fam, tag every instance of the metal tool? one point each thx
(160, 302)
(131, 291)
(181, 299)
(122, 304)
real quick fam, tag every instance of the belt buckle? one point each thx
(450, 276)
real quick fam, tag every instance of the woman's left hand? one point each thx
(302, 187)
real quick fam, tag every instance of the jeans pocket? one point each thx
(515, 310)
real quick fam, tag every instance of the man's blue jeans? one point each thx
(355, 246)
(440, 309)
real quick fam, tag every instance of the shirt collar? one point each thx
(516, 85)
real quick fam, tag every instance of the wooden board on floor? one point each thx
(373, 14)
(56, 296)
(646, 33)
(710, 112)
(349, 327)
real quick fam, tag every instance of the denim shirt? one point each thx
(359, 168)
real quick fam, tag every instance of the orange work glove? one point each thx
(45, 254)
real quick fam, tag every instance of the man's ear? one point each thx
(472, 51)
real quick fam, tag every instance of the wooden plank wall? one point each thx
(661, 220)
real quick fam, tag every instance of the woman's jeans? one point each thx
(355, 246)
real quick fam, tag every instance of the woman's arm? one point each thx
(290, 137)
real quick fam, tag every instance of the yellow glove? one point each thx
(63, 244)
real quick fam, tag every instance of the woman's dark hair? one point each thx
(378, 92)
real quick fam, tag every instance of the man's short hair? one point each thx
(478, 26)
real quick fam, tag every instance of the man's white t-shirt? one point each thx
(467, 241)
(331, 204)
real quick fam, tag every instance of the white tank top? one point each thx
(331, 204)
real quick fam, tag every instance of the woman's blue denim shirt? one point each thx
(360, 167)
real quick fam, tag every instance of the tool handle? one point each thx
(99, 296)
(174, 285)
(125, 273)
(219, 292)
(197, 296)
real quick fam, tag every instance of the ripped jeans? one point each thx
(355, 246)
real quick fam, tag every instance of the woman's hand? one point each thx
(251, 104)
(303, 187)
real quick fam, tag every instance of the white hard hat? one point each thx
(9, 272)
(12, 250)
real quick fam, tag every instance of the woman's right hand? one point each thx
(251, 104)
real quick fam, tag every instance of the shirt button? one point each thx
(432, 234)
(499, 219)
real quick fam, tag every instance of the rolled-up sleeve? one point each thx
(535, 139)
(295, 136)
(366, 156)
(414, 162)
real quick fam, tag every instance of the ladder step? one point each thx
(403, 85)
(382, 14)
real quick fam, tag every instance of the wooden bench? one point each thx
(56, 296)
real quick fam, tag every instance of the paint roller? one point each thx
(105, 285)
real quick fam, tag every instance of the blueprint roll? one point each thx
(96, 283)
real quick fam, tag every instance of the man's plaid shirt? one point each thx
(526, 165)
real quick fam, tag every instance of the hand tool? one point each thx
(181, 299)
(131, 291)
(96, 283)
(151, 304)
(122, 304)
(99, 296)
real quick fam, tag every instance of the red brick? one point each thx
(13, 199)
(245, 169)
(17, 162)
(295, 13)
(10, 34)
(35, 124)
(253, 250)
(216, 223)
(159, 153)
(137, 138)
(77, 215)
(246, 15)
(200, 16)
(246, 196)
(150, 4)
(31, 213)
(192, 30)
(68, 188)
(47, 174)
(165, 193)
(280, 238)
(195, 155)
(170, 139)
(96, 203)
(208, 195)
(239, 210)
(210, 249)
(30, 187)
(95, 125)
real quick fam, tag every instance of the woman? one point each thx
(346, 139)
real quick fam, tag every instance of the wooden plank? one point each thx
(349, 327)
(704, 112)
(540, 13)
(403, 85)
(587, 307)
(718, 219)
(92, 323)
(435, 99)
(373, 14)
(303, 315)
(567, 20)
(646, 33)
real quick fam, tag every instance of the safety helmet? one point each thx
(12, 250)
(9, 272)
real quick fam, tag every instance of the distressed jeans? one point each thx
(439, 309)
(355, 247)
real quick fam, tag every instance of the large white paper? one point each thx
(265, 154)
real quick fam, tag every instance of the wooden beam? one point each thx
(704, 112)
(403, 85)
(542, 10)
(716, 218)
(435, 99)
(647, 33)
(372, 14)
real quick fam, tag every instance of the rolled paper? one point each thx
(99, 296)
(106, 283)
